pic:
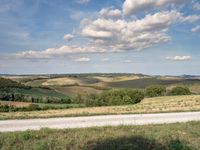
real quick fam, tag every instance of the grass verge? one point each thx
(179, 136)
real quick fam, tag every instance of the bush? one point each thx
(33, 107)
(4, 108)
(111, 97)
(155, 90)
(136, 96)
(180, 91)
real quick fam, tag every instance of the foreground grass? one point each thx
(179, 136)
(148, 105)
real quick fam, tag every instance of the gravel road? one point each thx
(93, 121)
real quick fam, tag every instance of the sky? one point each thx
(156, 37)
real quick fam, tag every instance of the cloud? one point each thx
(92, 33)
(179, 58)
(109, 31)
(82, 59)
(127, 61)
(134, 6)
(68, 37)
(196, 29)
(105, 59)
(120, 34)
(58, 52)
(130, 34)
(196, 6)
(110, 13)
(82, 1)
(190, 18)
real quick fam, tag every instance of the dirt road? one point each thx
(92, 121)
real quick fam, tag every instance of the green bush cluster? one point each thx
(12, 96)
(180, 91)
(158, 90)
(155, 90)
(111, 97)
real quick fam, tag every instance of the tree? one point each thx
(180, 91)
(155, 90)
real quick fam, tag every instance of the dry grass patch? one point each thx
(117, 78)
(15, 104)
(61, 81)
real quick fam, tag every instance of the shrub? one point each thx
(4, 108)
(33, 107)
(66, 100)
(180, 91)
(155, 90)
(136, 96)
(111, 97)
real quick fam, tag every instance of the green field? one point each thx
(179, 136)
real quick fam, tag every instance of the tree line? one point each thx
(127, 96)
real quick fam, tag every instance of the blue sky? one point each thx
(81, 36)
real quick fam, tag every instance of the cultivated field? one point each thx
(148, 105)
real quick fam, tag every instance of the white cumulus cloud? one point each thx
(134, 6)
(110, 13)
(138, 34)
(59, 52)
(127, 34)
(179, 58)
(68, 37)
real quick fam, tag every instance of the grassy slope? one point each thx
(35, 82)
(194, 87)
(180, 136)
(74, 90)
(39, 92)
(148, 105)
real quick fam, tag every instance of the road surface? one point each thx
(93, 121)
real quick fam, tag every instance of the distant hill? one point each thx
(7, 83)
